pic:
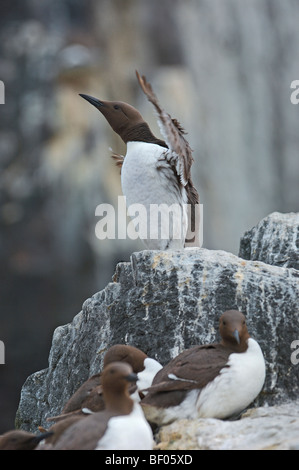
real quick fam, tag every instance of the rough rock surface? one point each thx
(275, 241)
(164, 302)
(264, 428)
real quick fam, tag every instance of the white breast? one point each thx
(129, 432)
(236, 386)
(145, 377)
(153, 196)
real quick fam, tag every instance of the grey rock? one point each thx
(265, 428)
(162, 303)
(274, 240)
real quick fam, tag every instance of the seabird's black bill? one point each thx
(132, 377)
(44, 435)
(236, 336)
(94, 101)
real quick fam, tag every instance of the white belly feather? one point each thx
(128, 432)
(152, 194)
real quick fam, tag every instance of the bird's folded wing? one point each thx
(173, 133)
(194, 368)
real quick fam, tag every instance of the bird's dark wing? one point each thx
(21, 440)
(179, 158)
(76, 400)
(181, 154)
(84, 434)
(191, 369)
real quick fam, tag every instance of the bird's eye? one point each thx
(223, 322)
(116, 106)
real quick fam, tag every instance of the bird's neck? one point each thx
(121, 405)
(141, 133)
(234, 346)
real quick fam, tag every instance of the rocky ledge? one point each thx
(164, 302)
(264, 428)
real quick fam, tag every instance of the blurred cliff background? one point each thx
(223, 68)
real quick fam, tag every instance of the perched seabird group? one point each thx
(120, 426)
(89, 396)
(117, 408)
(217, 380)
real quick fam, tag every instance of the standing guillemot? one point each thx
(89, 395)
(21, 440)
(120, 426)
(217, 380)
(155, 172)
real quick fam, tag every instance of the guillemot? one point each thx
(145, 367)
(17, 439)
(120, 426)
(216, 380)
(155, 173)
(89, 397)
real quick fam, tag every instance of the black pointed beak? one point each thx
(94, 101)
(132, 377)
(41, 437)
(236, 336)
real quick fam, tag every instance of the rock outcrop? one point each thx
(275, 241)
(162, 303)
